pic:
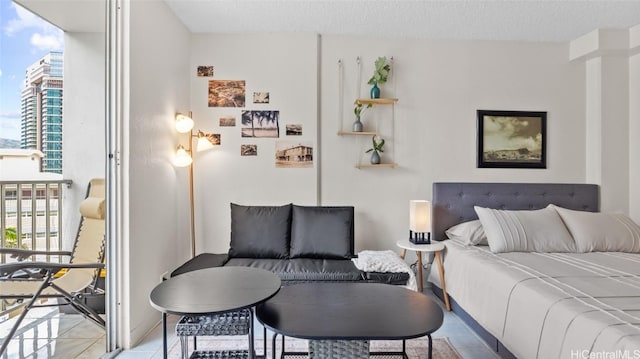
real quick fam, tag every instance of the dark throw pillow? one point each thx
(322, 232)
(260, 231)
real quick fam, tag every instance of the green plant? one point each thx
(359, 108)
(377, 145)
(381, 72)
(11, 238)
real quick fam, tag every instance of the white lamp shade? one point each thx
(420, 216)
(204, 143)
(182, 158)
(184, 123)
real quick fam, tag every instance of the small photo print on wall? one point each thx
(226, 93)
(248, 150)
(294, 154)
(227, 121)
(205, 71)
(214, 138)
(294, 130)
(260, 97)
(260, 124)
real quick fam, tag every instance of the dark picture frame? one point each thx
(512, 139)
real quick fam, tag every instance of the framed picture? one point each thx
(512, 139)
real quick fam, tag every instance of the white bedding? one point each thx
(549, 305)
(385, 261)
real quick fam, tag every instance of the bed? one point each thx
(538, 304)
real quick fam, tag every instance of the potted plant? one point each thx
(380, 75)
(377, 147)
(357, 110)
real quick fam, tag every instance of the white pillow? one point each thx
(540, 230)
(601, 232)
(471, 233)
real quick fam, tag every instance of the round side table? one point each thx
(436, 248)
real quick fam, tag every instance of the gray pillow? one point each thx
(260, 231)
(471, 233)
(322, 232)
(601, 232)
(539, 230)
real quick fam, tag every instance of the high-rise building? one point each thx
(41, 110)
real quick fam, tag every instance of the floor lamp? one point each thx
(184, 158)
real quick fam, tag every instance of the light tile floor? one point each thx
(49, 334)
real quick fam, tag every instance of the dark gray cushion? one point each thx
(201, 261)
(322, 232)
(260, 231)
(304, 269)
(400, 278)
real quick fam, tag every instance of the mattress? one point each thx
(549, 305)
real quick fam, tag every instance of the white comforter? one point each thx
(550, 305)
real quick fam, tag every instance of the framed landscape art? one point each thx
(512, 139)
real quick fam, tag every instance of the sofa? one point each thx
(298, 243)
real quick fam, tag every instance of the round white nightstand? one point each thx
(436, 248)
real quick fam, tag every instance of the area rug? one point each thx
(416, 348)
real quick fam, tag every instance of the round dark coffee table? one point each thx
(350, 311)
(213, 290)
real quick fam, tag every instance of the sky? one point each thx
(24, 39)
(510, 133)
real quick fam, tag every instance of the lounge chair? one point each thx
(30, 281)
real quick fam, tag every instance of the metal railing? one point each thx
(31, 218)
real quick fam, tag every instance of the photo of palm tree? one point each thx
(226, 93)
(260, 124)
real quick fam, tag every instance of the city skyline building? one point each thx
(41, 111)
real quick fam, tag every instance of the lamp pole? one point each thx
(191, 196)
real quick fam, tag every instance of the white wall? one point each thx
(634, 124)
(156, 213)
(440, 85)
(285, 65)
(84, 121)
(608, 93)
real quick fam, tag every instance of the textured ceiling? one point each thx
(540, 20)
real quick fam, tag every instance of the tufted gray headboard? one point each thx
(453, 202)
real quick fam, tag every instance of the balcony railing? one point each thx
(31, 218)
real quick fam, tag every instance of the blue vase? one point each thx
(375, 91)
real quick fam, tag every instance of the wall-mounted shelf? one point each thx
(351, 133)
(377, 101)
(367, 165)
(380, 120)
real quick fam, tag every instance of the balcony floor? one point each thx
(47, 333)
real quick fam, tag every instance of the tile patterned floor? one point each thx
(49, 334)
